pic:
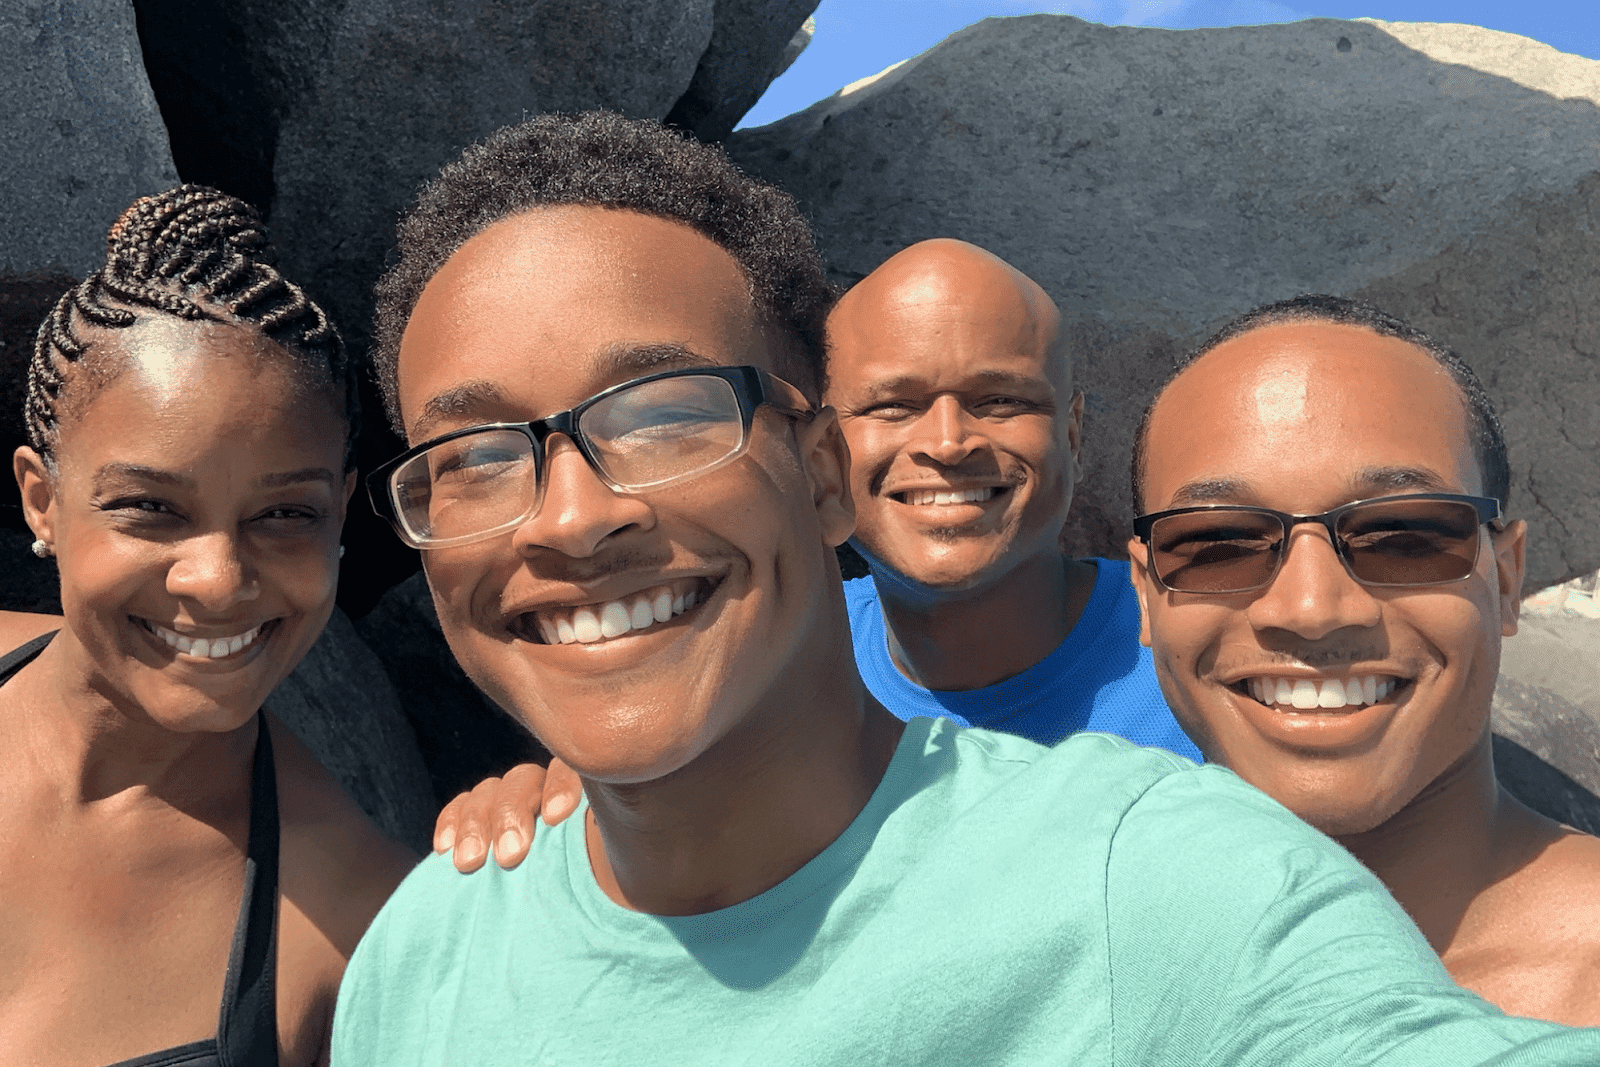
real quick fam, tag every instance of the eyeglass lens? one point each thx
(651, 434)
(1398, 542)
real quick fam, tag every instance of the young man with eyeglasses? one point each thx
(771, 868)
(1326, 574)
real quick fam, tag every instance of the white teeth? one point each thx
(949, 496)
(201, 647)
(615, 620)
(586, 626)
(1305, 693)
(601, 622)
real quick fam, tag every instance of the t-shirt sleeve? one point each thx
(1240, 936)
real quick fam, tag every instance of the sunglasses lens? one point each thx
(1218, 550)
(1410, 542)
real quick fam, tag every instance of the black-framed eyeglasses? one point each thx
(471, 484)
(1409, 540)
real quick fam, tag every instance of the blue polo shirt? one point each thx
(1100, 678)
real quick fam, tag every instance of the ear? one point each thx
(1075, 435)
(349, 490)
(38, 489)
(1510, 551)
(1143, 588)
(826, 459)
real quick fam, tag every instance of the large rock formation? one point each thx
(331, 115)
(340, 703)
(80, 135)
(1158, 182)
(752, 43)
(463, 735)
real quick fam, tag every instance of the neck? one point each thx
(1440, 853)
(979, 637)
(88, 745)
(757, 805)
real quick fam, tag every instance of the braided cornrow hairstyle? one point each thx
(196, 254)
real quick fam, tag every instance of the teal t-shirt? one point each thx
(994, 903)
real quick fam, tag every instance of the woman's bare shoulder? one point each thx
(20, 627)
(337, 866)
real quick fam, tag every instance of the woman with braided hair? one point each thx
(177, 873)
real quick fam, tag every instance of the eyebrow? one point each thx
(465, 399)
(1367, 482)
(1373, 480)
(621, 362)
(615, 365)
(1022, 383)
(276, 480)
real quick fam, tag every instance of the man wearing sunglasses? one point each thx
(593, 337)
(1326, 574)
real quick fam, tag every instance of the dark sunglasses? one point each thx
(473, 483)
(1411, 540)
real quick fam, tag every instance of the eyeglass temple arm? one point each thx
(786, 398)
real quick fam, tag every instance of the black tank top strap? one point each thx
(247, 1029)
(18, 657)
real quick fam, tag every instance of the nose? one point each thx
(578, 511)
(946, 433)
(213, 571)
(1312, 595)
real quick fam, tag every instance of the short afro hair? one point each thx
(1483, 425)
(602, 159)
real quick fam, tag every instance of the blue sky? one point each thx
(856, 38)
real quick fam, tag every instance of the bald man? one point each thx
(955, 391)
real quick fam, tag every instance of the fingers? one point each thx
(514, 802)
(562, 788)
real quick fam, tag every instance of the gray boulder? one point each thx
(1547, 718)
(331, 115)
(340, 703)
(752, 42)
(464, 736)
(80, 133)
(1158, 182)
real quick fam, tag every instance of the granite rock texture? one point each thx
(340, 703)
(752, 42)
(464, 736)
(80, 134)
(1157, 183)
(330, 115)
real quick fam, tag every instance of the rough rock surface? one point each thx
(339, 702)
(331, 115)
(752, 42)
(464, 736)
(80, 134)
(1159, 182)
(1548, 703)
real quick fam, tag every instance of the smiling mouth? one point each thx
(590, 624)
(923, 497)
(202, 647)
(1326, 694)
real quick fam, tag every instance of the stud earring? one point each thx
(341, 552)
(41, 549)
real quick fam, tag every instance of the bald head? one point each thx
(955, 393)
(930, 286)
